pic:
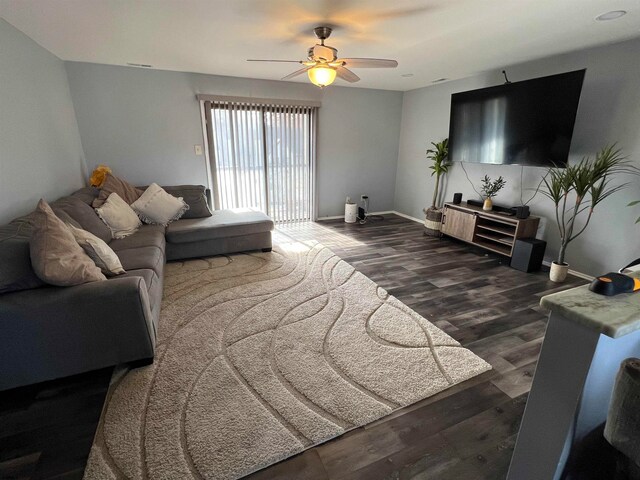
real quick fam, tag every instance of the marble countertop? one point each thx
(612, 316)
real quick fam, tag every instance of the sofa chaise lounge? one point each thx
(49, 332)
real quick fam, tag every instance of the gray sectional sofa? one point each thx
(48, 332)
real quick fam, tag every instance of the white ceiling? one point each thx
(431, 39)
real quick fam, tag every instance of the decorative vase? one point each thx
(433, 222)
(487, 205)
(558, 272)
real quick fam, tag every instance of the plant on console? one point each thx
(576, 190)
(490, 189)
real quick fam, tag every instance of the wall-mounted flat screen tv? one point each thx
(520, 123)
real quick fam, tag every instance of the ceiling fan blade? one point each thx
(280, 61)
(368, 63)
(346, 74)
(296, 73)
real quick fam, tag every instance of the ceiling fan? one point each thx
(323, 65)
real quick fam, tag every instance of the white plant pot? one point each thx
(350, 212)
(558, 273)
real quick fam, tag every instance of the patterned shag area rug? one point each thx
(261, 356)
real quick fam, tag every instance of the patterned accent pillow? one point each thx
(119, 217)
(157, 207)
(101, 253)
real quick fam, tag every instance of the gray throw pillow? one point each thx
(81, 211)
(55, 255)
(194, 196)
(113, 184)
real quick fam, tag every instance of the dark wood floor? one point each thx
(467, 431)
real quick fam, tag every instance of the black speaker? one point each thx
(457, 198)
(528, 254)
(522, 211)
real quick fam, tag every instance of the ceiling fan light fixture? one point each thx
(322, 75)
(323, 64)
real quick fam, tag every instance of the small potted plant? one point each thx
(575, 191)
(490, 189)
(439, 166)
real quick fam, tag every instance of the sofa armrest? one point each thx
(53, 332)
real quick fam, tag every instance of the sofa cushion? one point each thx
(81, 212)
(194, 196)
(146, 236)
(56, 257)
(142, 257)
(221, 224)
(87, 194)
(71, 222)
(16, 272)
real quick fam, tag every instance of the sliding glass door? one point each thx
(263, 157)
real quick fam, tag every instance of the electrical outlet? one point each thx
(198, 149)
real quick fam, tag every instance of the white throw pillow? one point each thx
(102, 254)
(157, 207)
(119, 217)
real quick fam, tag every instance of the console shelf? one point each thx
(492, 231)
(494, 238)
(497, 229)
(497, 248)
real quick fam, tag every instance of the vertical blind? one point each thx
(263, 156)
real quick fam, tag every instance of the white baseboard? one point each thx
(337, 217)
(409, 217)
(386, 212)
(572, 272)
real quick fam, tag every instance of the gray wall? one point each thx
(40, 150)
(144, 124)
(358, 133)
(609, 112)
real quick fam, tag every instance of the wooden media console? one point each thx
(492, 231)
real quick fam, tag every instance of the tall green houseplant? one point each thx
(437, 156)
(576, 190)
